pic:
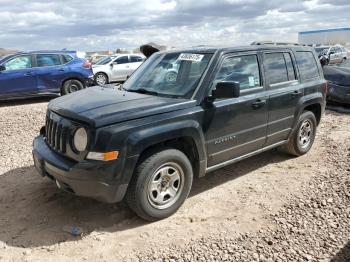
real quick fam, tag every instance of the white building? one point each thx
(325, 37)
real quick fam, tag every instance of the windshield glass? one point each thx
(4, 58)
(320, 50)
(104, 60)
(173, 74)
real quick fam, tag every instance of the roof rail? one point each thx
(273, 43)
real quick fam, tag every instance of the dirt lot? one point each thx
(271, 207)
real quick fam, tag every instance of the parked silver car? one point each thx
(116, 68)
(333, 54)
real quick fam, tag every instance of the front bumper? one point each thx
(93, 179)
(338, 93)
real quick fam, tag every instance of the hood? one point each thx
(337, 74)
(100, 106)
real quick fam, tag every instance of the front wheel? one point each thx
(160, 184)
(303, 136)
(101, 79)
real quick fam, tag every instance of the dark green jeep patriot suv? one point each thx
(181, 114)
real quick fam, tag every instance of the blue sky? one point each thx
(107, 24)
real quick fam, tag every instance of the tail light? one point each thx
(325, 88)
(87, 64)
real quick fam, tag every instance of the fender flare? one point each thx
(140, 140)
(311, 99)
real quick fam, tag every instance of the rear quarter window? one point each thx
(307, 65)
(66, 59)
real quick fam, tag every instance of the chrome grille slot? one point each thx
(56, 133)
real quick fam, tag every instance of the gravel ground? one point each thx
(270, 207)
(313, 226)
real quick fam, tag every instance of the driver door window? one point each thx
(122, 60)
(18, 63)
(243, 69)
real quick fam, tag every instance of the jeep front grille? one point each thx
(56, 135)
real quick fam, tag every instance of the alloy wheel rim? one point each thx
(101, 79)
(305, 134)
(73, 88)
(165, 186)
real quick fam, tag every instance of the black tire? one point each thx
(101, 79)
(141, 198)
(299, 145)
(71, 86)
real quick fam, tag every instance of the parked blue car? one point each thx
(43, 73)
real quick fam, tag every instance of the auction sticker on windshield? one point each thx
(191, 57)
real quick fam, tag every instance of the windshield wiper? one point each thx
(143, 91)
(120, 87)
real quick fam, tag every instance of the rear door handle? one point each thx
(296, 93)
(28, 74)
(258, 103)
(61, 70)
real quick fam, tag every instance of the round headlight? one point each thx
(80, 139)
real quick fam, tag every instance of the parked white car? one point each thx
(116, 68)
(333, 54)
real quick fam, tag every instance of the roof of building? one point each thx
(325, 31)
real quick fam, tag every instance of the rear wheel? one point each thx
(71, 86)
(160, 184)
(101, 79)
(303, 137)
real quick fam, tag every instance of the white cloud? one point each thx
(109, 24)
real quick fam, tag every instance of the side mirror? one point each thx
(226, 89)
(331, 53)
(2, 68)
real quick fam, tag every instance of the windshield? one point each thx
(173, 74)
(320, 50)
(4, 58)
(103, 60)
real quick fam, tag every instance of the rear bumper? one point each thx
(87, 179)
(337, 93)
(90, 81)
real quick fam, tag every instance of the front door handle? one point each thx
(258, 103)
(28, 74)
(61, 70)
(296, 93)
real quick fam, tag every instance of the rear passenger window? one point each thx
(134, 59)
(275, 68)
(47, 60)
(242, 69)
(307, 65)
